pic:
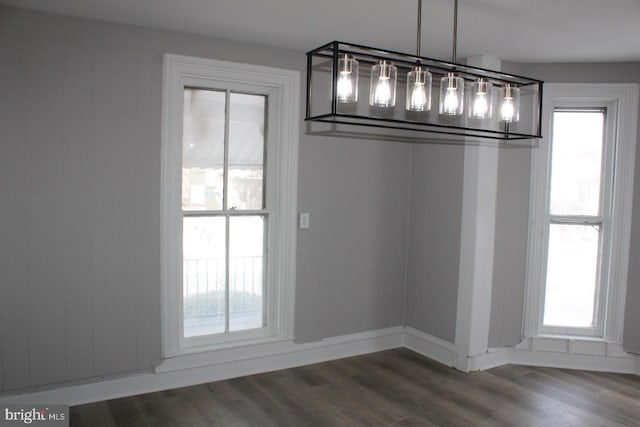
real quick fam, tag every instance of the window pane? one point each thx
(246, 248)
(203, 273)
(572, 269)
(246, 151)
(203, 149)
(576, 162)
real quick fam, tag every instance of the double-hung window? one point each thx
(229, 157)
(224, 215)
(581, 192)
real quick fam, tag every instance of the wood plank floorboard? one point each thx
(390, 388)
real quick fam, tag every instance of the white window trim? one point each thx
(178, 71)
(625, 97)
(606, 183)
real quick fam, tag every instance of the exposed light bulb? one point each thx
(418, 89)
(451, 92)
(418, 99)
(507, 111)
(451, 101)
(345, 86)
(383, 91)
(480, 105)
(481, 99)
(510, 104)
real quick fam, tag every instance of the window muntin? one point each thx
(224, 262)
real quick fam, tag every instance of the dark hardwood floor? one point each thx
(390, 388)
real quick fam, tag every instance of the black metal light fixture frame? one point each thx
(324, 60)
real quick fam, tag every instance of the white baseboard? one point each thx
(556, 352)
(444, 352)
(591, 355)
(493, 358)
(189, 370)
(429, 346)
(174, 372)
(574, 353)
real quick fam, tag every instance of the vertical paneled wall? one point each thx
(79, 162)
(80, 127)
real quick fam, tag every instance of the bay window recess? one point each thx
(582, 177)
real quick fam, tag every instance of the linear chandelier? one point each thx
(470, 101)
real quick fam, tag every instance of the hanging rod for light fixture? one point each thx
(419, 28)
(493, 105)
(455, 30)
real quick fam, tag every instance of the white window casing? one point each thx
(282, 88)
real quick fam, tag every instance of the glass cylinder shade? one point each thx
(382, 92)
(481, 100)
(510, 103)
(418, 90)
(451, 95)
(347, 87)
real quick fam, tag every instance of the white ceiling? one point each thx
(514, 30)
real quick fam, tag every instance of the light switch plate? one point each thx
(304, 220)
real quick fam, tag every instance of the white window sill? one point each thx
(224, 353)
(570, 337)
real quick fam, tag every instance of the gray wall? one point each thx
(515, 180)
(510, 250)
(80, 111)
(351, 262)
(79, 219)
(437, 172)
